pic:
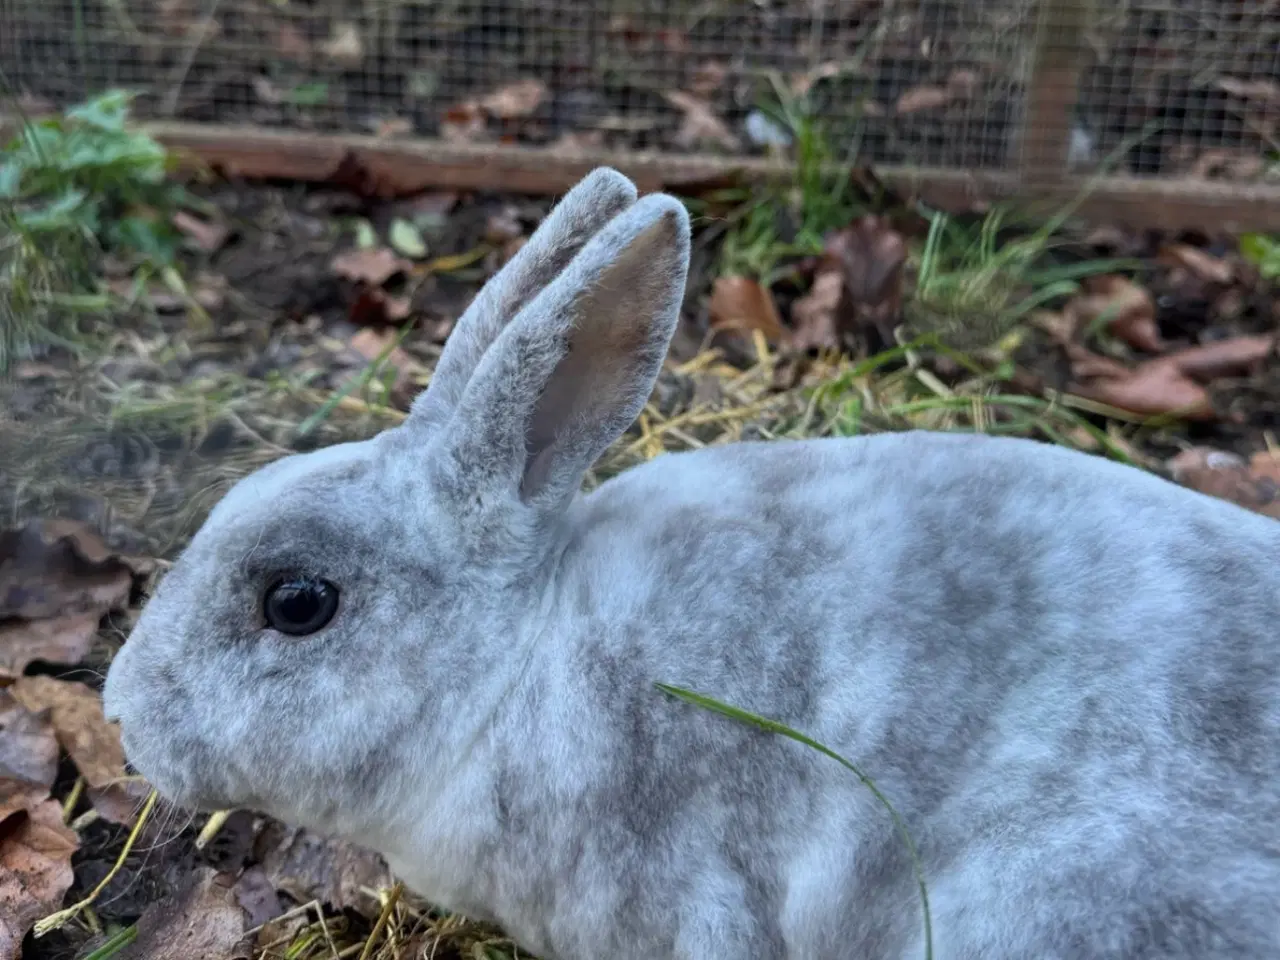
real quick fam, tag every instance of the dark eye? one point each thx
(300, 605)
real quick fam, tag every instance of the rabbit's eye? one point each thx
(300, 606)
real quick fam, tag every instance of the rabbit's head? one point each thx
(344, 617)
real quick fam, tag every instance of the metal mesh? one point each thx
(934, 83)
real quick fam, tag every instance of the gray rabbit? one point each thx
(1063, 673)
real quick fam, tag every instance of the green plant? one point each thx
(1263, 252)
(87, 171)
(72, 187)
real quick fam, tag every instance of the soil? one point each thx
(938, 83)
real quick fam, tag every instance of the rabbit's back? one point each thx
(1062, 672)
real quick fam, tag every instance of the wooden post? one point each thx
(1052, 90)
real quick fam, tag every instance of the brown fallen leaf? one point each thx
(464, 123)
(28, 746)
(871, 255)
(35, 861)
(1260, 89)
(1253, 484)
(814, 317)
(1224, 357)
(922, 98)
(79, 723)
(516, 100)
(700, 123)
(741, 304)
(203, 921)
(1204, 266)
(1126, 310)
(308, 867)
(374, 266)
(64, 640)
(1154, 388)
(209, 237)
(120, 802)
(58, 567)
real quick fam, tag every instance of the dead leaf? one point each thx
(1253, 484)
(64, 640)
(519, 99)
(923, 98)
(120, 802)
(1126, 309)
(374, 307)
(464, 123)
(708, 78)
(51, 568)
(1231, 164)
(307, 867)
(344, 45)
(1204, 266)
(257, 896)
(28, 747)
(393, 127)
(209, 237)
(1260, 89)
(700, 123)
(81, 727)
(1224, 357)
(374, 266)
(35, 861)
(741, 304)
(1154, 388)
(814, 317)
(201, 922)
(871, 255)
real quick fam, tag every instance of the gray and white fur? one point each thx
(1063, 672)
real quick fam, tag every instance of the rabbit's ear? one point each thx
(592, 203)
(574, 369)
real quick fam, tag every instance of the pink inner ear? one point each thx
(606, 352)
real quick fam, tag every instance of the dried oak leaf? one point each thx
(374, 266)
(35, 860)
(741, 304)
(1223, 357)
(308, 867)
(28, 746)
(203, 921)
(1253, 484)
(700, 122)
(1127, 310)
(79, 723)
(52, 568)
(1203, 266)
(871, 255)
(1154, 388)
(57, 580)
(814, 317)
(209, 237)
(516, 100)
(923, 98)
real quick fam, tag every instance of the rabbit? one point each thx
(1062, 672)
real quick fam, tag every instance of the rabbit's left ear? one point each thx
(575, 367)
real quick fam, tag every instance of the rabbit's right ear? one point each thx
(592, 203)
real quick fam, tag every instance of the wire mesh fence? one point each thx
(1156, 88)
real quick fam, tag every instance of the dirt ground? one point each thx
(171, 403)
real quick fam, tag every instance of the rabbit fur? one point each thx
(1063, 672)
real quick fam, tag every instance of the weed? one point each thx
(71, 188)
(1263, 252)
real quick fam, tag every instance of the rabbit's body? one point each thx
(1063, 673)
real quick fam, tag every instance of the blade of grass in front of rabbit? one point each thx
(772, 726)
